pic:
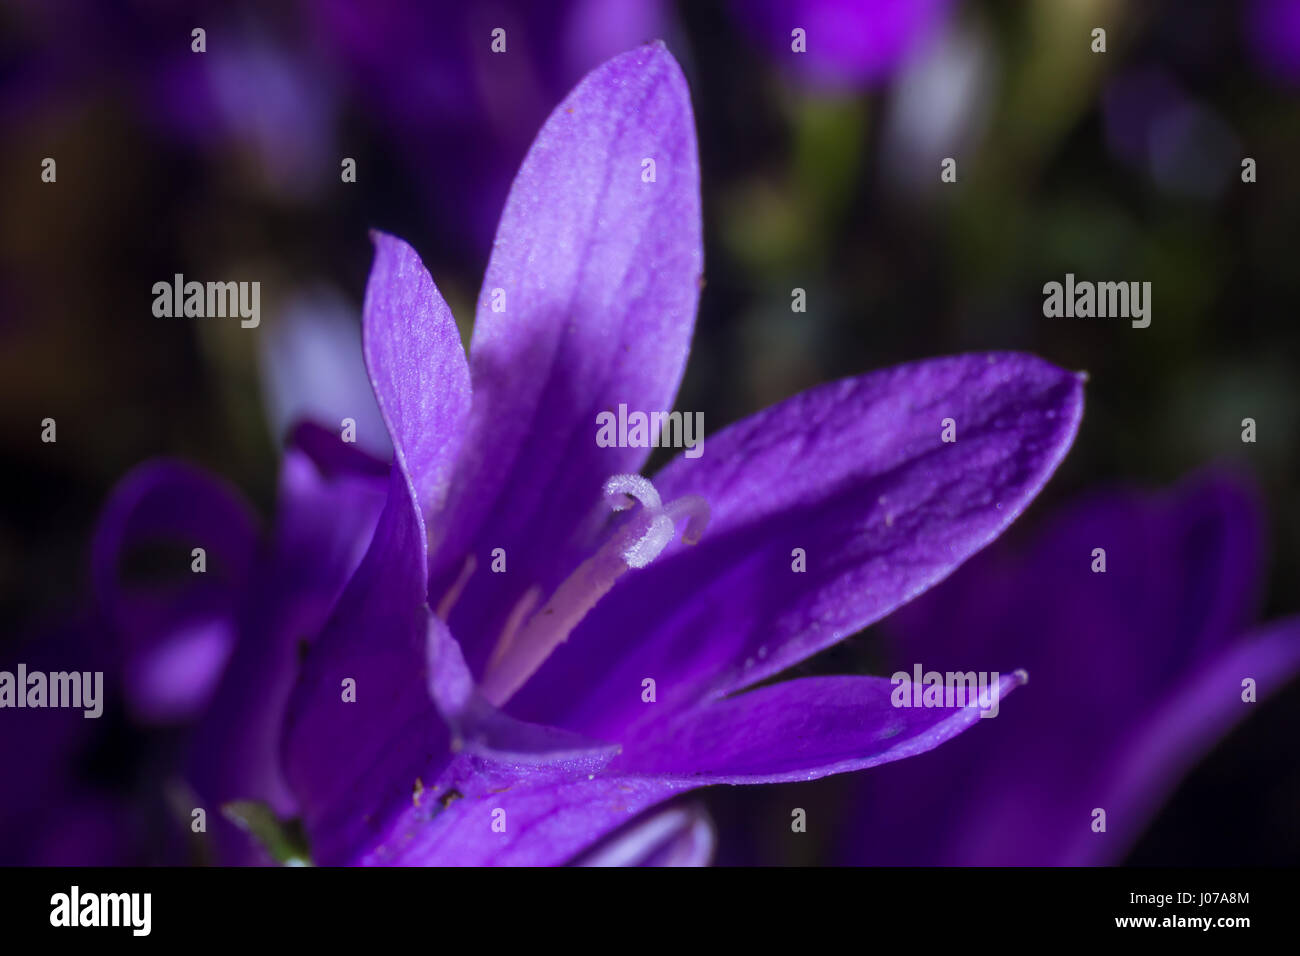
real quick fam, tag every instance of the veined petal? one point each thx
(1196, 714)
(589, 301)
(801, 730)
(852, 482)
(417, 367)
(546, 823)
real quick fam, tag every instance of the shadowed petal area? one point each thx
(799, 730)
(324, 520)
(175, 627)
(588, 302)
(347, 745)
(1195, 715)
(856, 476)
(360, 722)
(417, 368)
(1154, 634)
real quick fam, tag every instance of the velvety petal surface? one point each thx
(799, 730)
(856, 475)
(417, 368)
(547, 822)
(175, 627)
(1118, 661)
(588, 302)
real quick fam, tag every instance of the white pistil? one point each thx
(522, 650)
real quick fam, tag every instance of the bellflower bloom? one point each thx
(529, 655)
(540, 643)
(1135, 672)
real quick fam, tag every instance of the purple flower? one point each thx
(539, 643)
(847, 44)
(1272, 30)
(501, 631)
(1134, 674)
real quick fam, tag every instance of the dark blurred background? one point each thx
(226, 165)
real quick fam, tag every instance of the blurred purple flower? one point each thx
(460, 114)
(849, 43)
(1134, 674)
(254, 606)
(260, 90)
(1273, 32)
(1182, 145)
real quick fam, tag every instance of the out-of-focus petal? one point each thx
(324, 522)
(1194, 715)
(360, 720)
(848, 43)
(174, 626)
(1115, 659)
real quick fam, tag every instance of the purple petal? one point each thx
(678, 836)
(324, 522)
(799, 730)
(1272, 28)
(600, 272)
(346, 760)
(854, 473)
(417, 367)
(849, 43)
(1195, 715)
(333, 457)
(545, 825)
(175, 630)
(1148, 639)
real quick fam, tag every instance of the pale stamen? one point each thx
(522, 650)
(453, 593)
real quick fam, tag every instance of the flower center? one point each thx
(529, 636)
